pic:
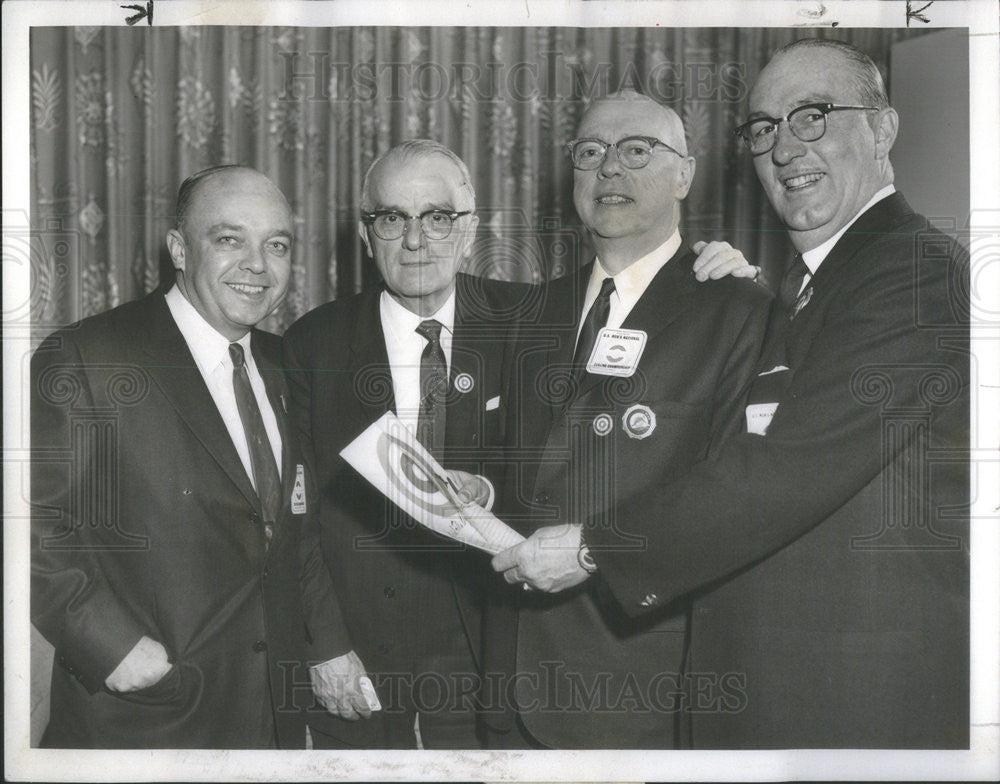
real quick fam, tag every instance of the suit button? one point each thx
(269, 532)
(266, 572)
(383, 648)
(389, 592)
(260, 646)
(542, 498)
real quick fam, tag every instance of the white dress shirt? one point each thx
(210, 350)
(630, 283)
(404, 345)
(813, 258)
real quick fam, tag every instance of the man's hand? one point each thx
(546, 561)
(142, 667)
(336, 685)
(718, 259)
(472, 488)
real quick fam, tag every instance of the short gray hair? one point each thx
(415, 148)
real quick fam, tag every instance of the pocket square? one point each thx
(493, 403)
(775, 369)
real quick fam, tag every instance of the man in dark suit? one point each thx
(168, 498)
(428, 344)
(630, 375)
(826, 545)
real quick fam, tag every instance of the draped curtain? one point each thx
(121, 115)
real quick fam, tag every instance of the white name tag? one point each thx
(759, 416)
(368, 692)
(617, 352)
(493, 403)
(299, 491)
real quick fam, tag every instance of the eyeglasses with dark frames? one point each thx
(807, 123)
(634, 152)
(391, 224)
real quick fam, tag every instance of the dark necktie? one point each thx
(792, 282)
(433, 388)
(596, 320)
(265, 469)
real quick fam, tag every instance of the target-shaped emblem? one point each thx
(603, 424)
(639, 421)
(464, 383)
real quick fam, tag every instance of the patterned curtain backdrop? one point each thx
(121, 115)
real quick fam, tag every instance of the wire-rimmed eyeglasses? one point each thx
(634, 152)
(391, 224)
(807, 123)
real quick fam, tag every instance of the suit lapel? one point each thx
(369, 363)
(564, 299)
(173, 369)
(467, 357)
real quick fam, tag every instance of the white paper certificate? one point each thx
(389, 456)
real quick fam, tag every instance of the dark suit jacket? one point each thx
(145, 522)
(403, 590)
(587, 675)
(832, 552)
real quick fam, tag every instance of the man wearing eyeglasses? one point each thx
(828, 542)
(428, 344)
(630, 375)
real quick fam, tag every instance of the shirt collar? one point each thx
(632, 281)
(813, 258)
(208, 346)
(399, 323)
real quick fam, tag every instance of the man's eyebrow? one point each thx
(798, 104)
(226, 227)
(432, 206)
(239, 227)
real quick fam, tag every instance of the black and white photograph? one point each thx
(544, 391)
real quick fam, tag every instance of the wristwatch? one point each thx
(584, 558)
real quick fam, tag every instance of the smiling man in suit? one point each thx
(827, 541)
(429, 344)
(632, 373)
(168, 497)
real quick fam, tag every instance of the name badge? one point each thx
(299, 491)
(617, 352)
(759, 416)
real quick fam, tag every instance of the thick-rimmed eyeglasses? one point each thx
(807, 123)
(391, 224)
(634, 152)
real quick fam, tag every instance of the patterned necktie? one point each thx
(792, 282)
(596, 320)
(433, 388)
(265, 469)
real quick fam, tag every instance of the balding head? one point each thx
(628, 103)
(232, 248)
(632, 209)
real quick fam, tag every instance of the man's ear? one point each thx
(886, 127)
(177, 247)
(363, 232)
(685, 176)
(469, 236)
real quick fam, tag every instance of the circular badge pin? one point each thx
(464, 383)
(639, 421)
(603, 424)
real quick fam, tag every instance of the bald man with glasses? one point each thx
(631, 374)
